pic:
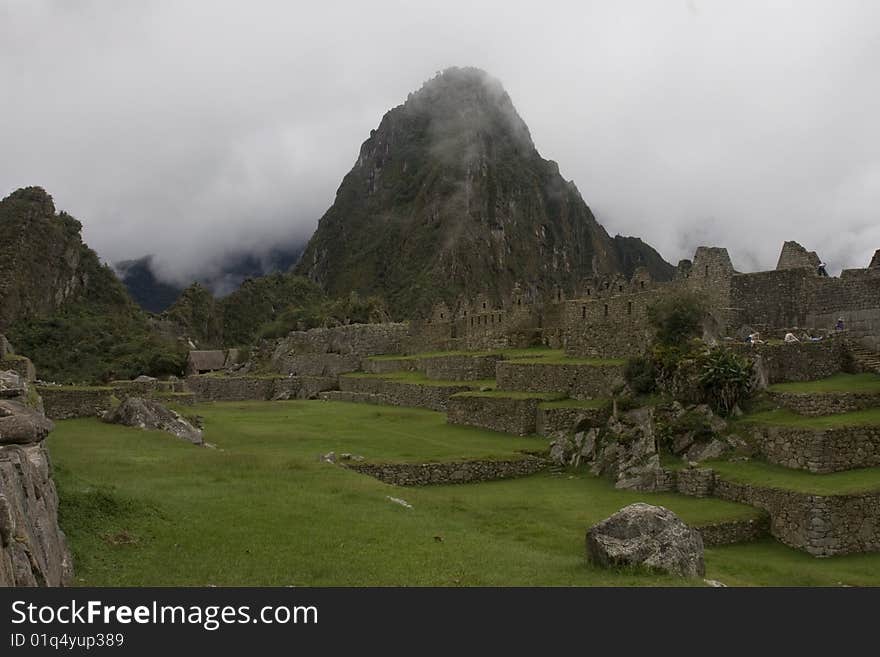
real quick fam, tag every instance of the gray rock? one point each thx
(561, 450)
(714, 422)
(5, 348)
(22, 425)
(148, 414)
(682, 442)
(714, 449)
(33, 549)
(646, 535)
(145, 379)
(628, 451)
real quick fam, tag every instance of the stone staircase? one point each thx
(865, 359)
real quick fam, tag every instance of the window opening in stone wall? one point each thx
(583, 312)
(629, 308)
(606, 310)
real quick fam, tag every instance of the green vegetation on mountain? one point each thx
(266, 307)
(449, 196)
(64, 309)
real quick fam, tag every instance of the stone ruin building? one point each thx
(607, 316)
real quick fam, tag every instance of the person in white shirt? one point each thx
(791, 337)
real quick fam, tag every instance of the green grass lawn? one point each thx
(511, 394)
(419, 378)
(144, 508)
(543, 355)
(561, 359)
(838, 383)
(776, 476)
(527, 352)
(785, 417)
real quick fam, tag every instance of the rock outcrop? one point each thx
(650, 536)
(627, 451)
(148, 414)
(33, 549)
(21, 424)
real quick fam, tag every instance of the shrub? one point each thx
(640, 373)
(677, 320)
(726, 379)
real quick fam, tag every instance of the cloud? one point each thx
(193, 130)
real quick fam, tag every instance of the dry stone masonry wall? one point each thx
(825, 403)
(575, 381)
(66, 402)
(462, 472)
(396, 393)
(241, 388)
(820, 450)
(552, 421)
(823, 526)
(514, 415)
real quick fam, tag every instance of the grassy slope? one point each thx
(530, 352)
(419, 378)
(537, 355)
(512, 394)
(775, 476)
(838, 383)
(785, 417)
(145, 508)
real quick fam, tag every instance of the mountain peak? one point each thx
(449, 197)
(35, 196)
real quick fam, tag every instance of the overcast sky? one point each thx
(188, 129)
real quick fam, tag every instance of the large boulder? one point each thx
(33, 549)
(22, 425)
(646, 535)
(148, 414)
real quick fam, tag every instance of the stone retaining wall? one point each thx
(825, 403)
(552, 421)
(396, 393)
(463, 472)
(389, 365)
(174, 398)
(353, 339)
(443, 368)
(819, 450)
(735, 531)
(508, 414)
(460, 368)
(145, 388)
(800, 361)
(696, 482)
(20, 365)
(242, 388)
(317, 364)
(352, 397)
(823, 526)
(575, 381)
(65, 402)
